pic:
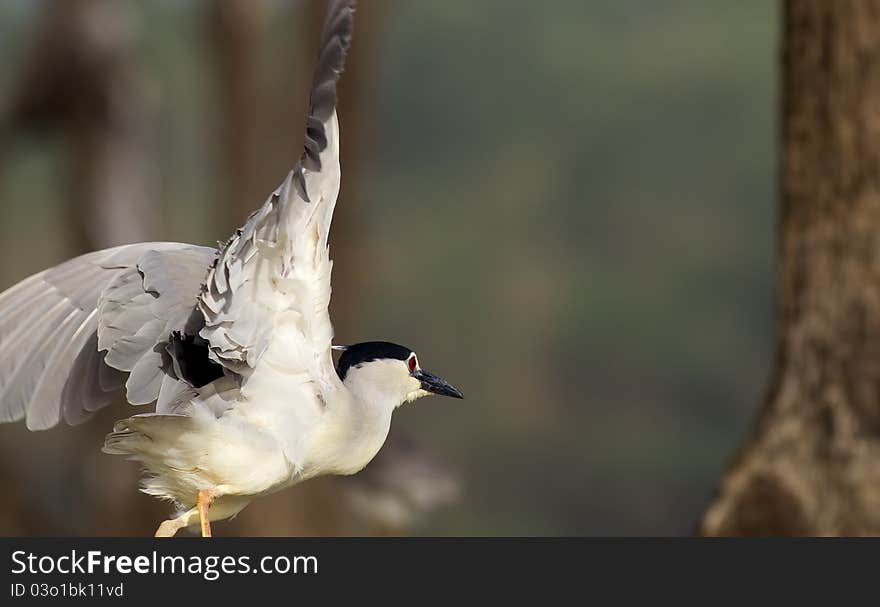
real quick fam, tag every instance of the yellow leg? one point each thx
(203, 504)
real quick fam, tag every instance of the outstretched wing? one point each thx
(73, 336)
(278, 263)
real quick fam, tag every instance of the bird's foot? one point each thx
(170, 527)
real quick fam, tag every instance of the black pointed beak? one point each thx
(436, 385)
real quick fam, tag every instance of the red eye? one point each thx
(412, 363)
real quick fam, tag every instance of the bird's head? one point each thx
(382, 372)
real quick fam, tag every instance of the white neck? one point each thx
(375, 389)
(360, 422)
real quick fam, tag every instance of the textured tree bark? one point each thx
(812, 463)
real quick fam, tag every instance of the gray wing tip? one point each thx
(338, 20)
(335, 42)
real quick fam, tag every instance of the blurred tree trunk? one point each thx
(235, 34)
(83, 82)
(812, 463)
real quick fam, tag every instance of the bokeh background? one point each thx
(566, 207)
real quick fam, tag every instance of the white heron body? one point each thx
(263, 441)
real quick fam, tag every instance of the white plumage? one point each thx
(233, 345)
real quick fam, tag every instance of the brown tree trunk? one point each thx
(83, 80)
(236, 30)
(812, 463)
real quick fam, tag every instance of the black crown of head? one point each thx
(367, 351)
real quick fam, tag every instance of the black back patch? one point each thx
(190, 361)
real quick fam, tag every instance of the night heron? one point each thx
(232, 344)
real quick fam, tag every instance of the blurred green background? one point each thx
(566, 207)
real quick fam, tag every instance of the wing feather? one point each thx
(71, 336)
(83, 392)
(54, 377)
(278, 263)
(25, 381)
(52, 325)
